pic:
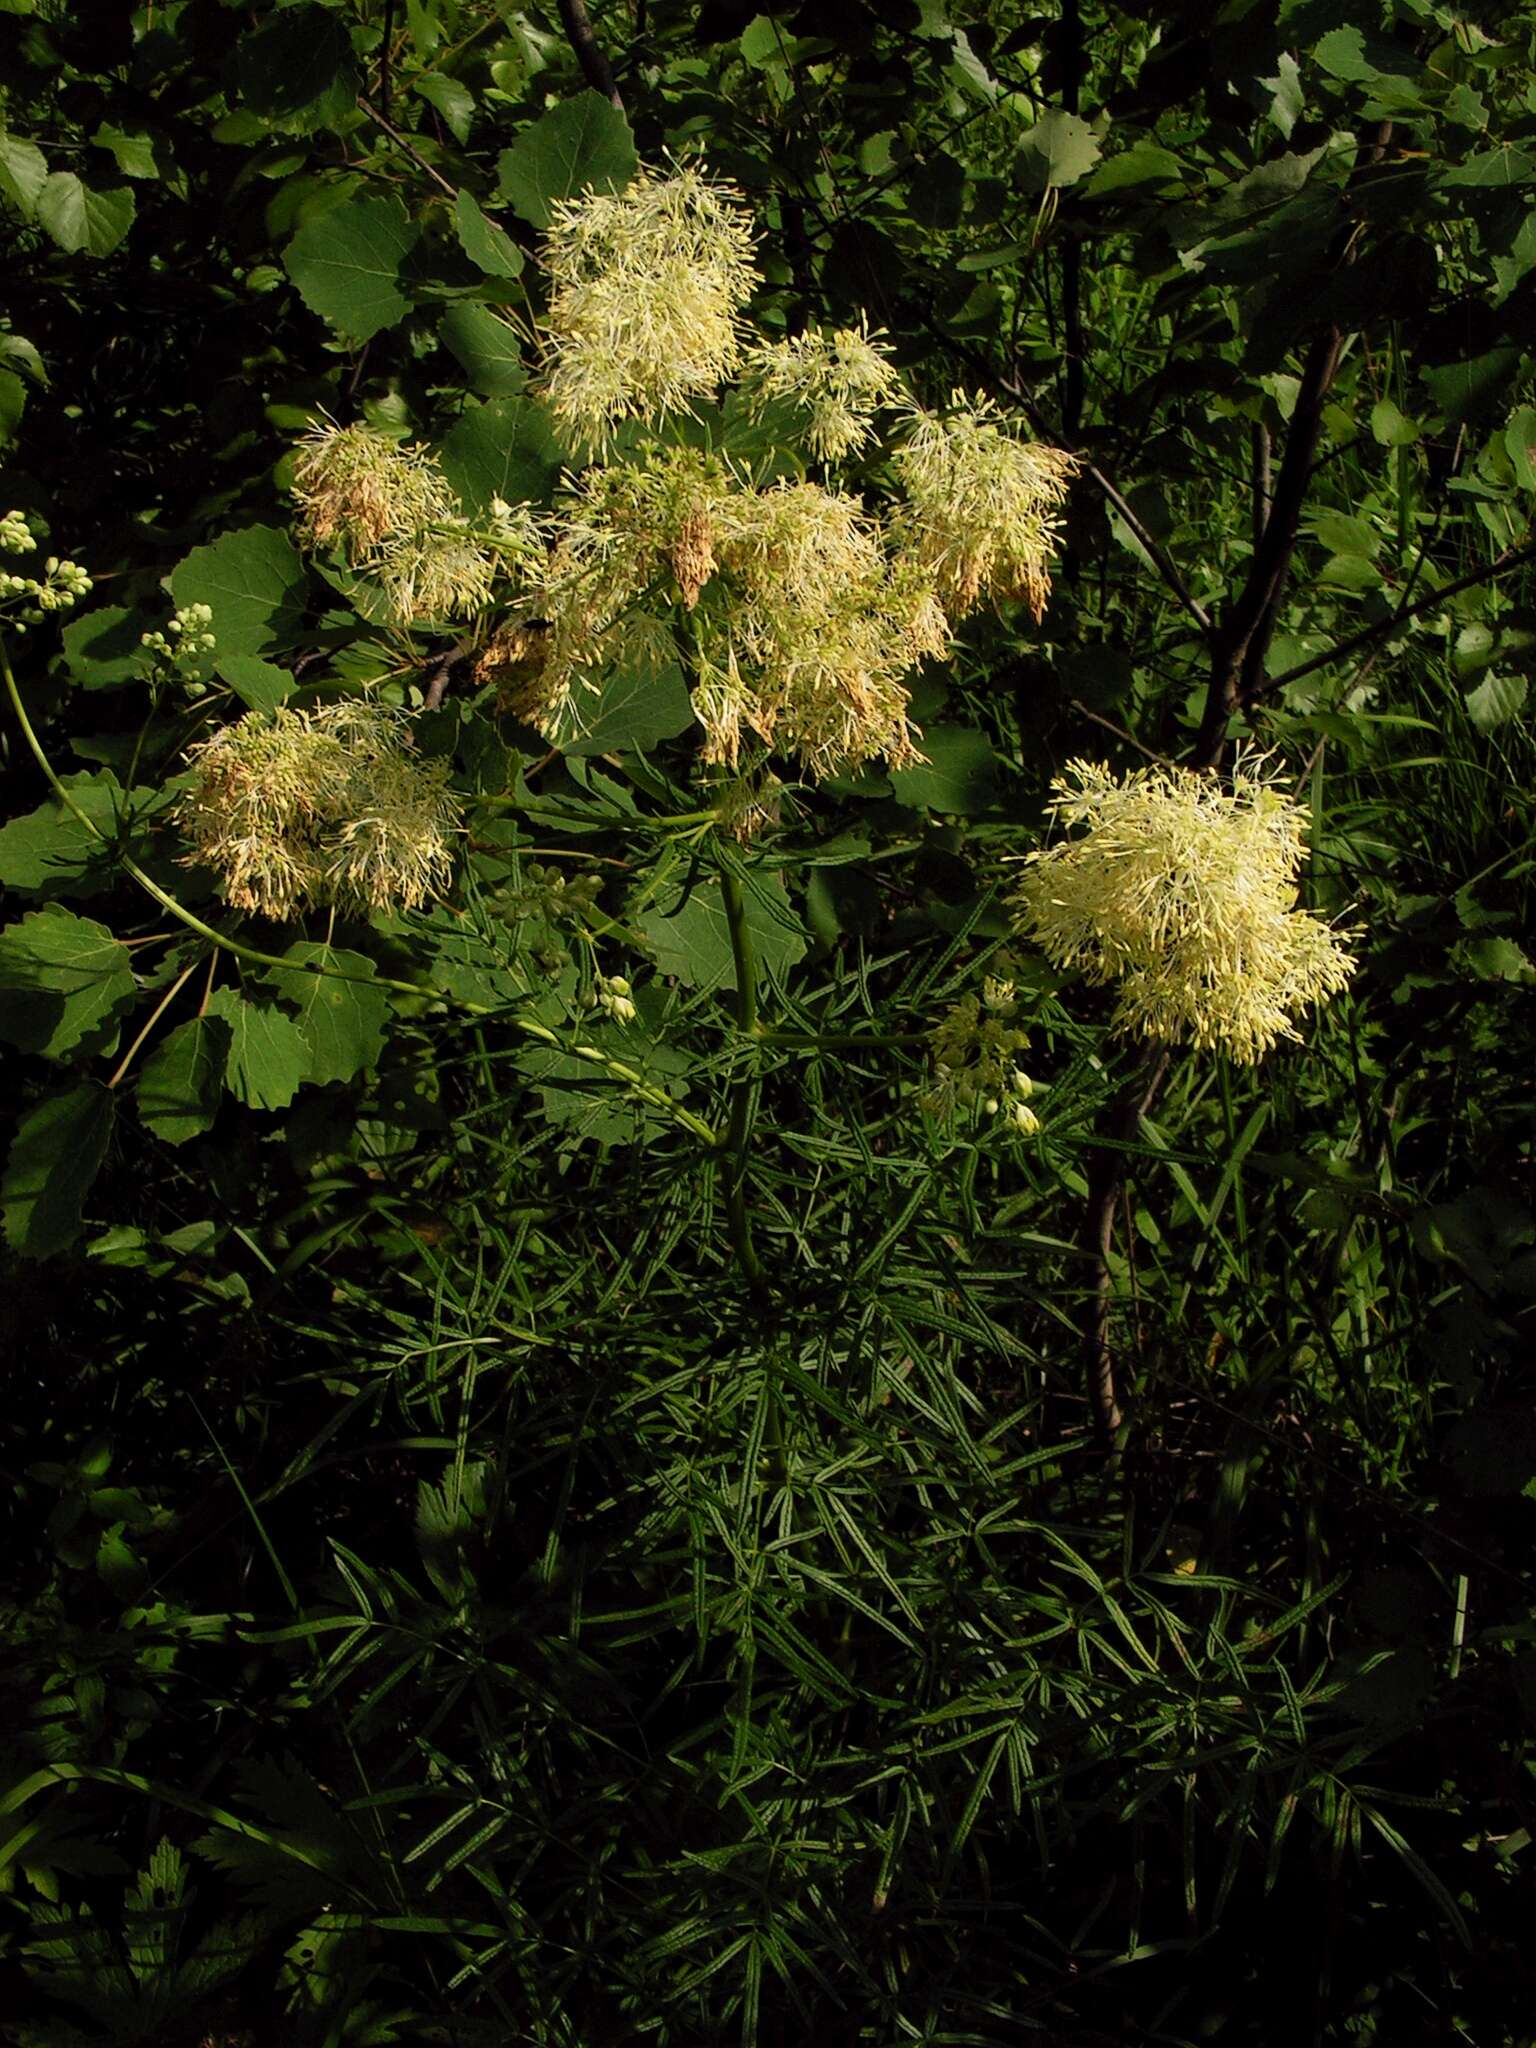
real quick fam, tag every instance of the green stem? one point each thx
(529, 1028)
(531, 807)
(738, 1136)
(840, 1041)
(155, 1015)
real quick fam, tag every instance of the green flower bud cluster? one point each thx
(974, 1065)
(183, 649)
(60, 587)
(612, 993)
(547, 894)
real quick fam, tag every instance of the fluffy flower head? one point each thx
(297, 808)
(981, 506)
(838, 377)
(398, 521)
(358, 488)
(646, 291)
(819, 634)
(1185, 894)
(801, 628)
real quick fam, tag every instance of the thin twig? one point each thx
(404, 143)
(386, 83)
(1512, 558)
(1156, 554)
(435, 679)
(155, 1015)
(1119, 731)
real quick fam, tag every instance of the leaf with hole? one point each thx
(1057, 151)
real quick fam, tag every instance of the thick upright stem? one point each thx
(1106, 1179)
(595, 68)
(1242, 639)
(738, 1136)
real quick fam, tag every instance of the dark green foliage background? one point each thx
(498, 1622)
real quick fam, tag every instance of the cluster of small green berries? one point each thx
(60, 587)
(184, 646)
(548, 894)
(612, 993)
(974, 1059)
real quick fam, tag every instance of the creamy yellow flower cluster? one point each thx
(303, 808)
(397, 520)
(807, 612)
(796, 624)
(1184, 892)
(801, 612)
(647, 288)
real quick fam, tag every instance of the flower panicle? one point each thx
(647, 288)
(839, 378)
(299, 809)
(395, 518)
(981, 511)
(1185, 894)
